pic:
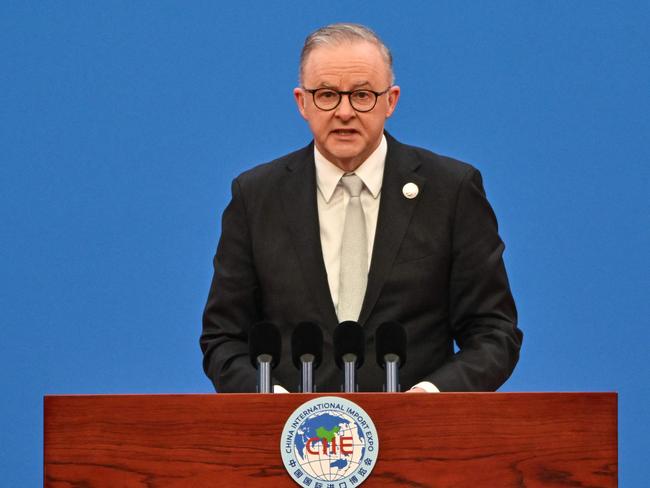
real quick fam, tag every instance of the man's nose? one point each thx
(345, 111)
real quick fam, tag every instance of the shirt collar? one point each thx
(371, 171)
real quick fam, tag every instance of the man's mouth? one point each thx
(344, 132)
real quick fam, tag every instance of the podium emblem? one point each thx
(329, 442)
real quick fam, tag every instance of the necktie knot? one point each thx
(353, 184)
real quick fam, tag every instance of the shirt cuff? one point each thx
(279, 389)
(426, 386)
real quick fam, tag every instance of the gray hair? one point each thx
(336, 34)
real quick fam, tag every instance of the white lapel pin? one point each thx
(410, 190)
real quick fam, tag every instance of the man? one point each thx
(357, 226)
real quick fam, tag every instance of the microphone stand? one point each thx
(307, 373)
(349, 368)
(264, 373)
(392, 373)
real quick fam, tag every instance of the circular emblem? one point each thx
(329, 442)
(410, 190)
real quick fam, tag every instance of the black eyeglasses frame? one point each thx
(349, 95)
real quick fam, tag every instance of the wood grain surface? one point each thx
(473, 440)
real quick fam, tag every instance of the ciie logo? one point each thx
(329, 442)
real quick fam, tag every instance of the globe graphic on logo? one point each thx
(329, 462)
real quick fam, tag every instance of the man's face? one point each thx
(344, 136)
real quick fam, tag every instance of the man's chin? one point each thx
(347, 153)
(348, 164)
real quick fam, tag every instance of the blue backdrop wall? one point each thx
(122, 124)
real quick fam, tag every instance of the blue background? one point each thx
(122, 124)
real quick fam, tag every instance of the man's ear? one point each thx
(299, 95)
(393, 97)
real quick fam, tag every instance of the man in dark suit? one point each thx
(426, 246)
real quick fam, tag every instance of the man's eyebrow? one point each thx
(355, 86)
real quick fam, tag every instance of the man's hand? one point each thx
(424, 387)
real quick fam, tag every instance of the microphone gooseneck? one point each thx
(390, 342)
(349, 352)
(307, 352)
(265, 348)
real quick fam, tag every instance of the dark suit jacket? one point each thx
(436, 267)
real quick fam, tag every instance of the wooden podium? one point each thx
(493, 440)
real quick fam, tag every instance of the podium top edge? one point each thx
(341, 394)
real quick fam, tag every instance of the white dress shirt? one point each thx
(332, 202)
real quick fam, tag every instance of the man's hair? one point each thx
(336, 34)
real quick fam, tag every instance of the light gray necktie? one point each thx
(353, 275)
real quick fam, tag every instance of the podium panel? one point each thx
(494, 440)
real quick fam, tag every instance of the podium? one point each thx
(494, 440)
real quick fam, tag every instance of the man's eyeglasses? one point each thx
(361, 100)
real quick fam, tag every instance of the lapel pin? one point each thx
(410, 190)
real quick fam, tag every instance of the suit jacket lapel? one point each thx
(299, 200)
(395, 212)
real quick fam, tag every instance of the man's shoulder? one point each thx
(269, 171)
(427, 162)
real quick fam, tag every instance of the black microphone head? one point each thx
(307, 338)
(264, 338)
(390, 339)
(349, 338)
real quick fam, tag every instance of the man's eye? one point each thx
(361, 95)
(326, 94)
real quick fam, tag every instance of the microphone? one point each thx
(390, 342)
(307, 352)
(265, 347)
(349, 351)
